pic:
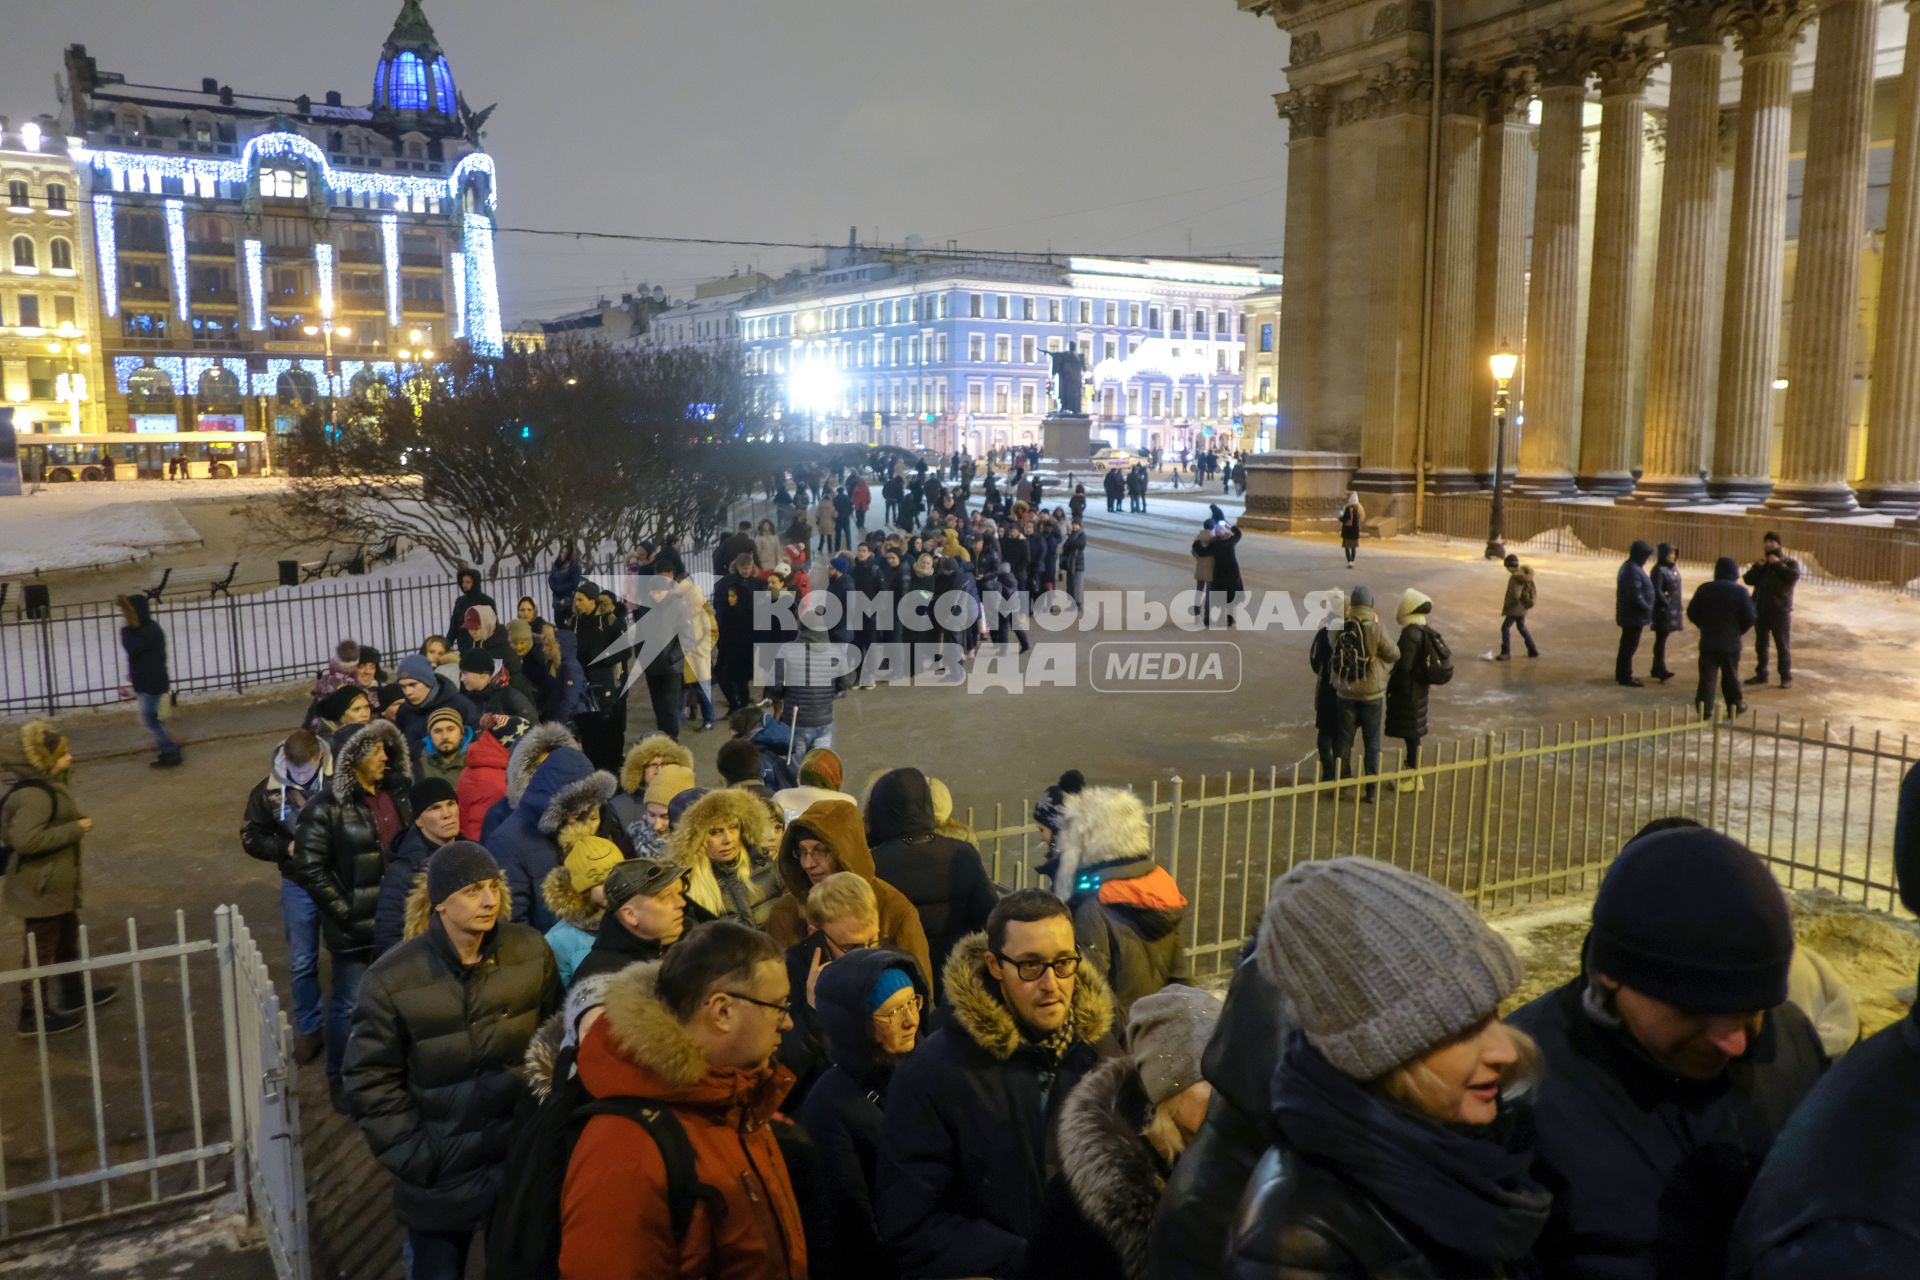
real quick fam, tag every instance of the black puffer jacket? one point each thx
(1100, 1203)
(1407, 692)
(1195, 1217)
(1722, 610)
(274, 806)
(430, 1065)
(943, 877)
(337, 854)
(146, 646)
(1669, 605)
(1632, 589)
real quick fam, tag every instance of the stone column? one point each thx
(1680, 362)
(1500, 274)
(1893, 419)
(1561, 60)
(1302, 320)
(1766, 32)
(1826, 285)
(1606, 430)
(1451, 424)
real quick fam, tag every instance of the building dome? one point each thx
(413, 78)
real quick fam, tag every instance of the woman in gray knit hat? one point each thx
(1402, 1147)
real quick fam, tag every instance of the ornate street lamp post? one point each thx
(327, 329)
(1503, 362)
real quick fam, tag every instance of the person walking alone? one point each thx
(146, 647)
(1352, 516)
(1520, 597)
(1632, 610)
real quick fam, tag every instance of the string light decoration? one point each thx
(481, 293)
(106, 244)
(256, 285)
(457, 265)
(199, 367)
(177, 253)
(268, 383)
(390, 246)
(323, 265)
(195, 171)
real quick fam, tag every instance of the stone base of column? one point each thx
(1746, 492)
(1669, 491)
(1547, 484)
(1809, 500)
(1896, 498)
(1387, 494)
(1607, 484)
(1454, 480)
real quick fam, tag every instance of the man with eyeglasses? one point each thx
(693, 1034)
(842, 917)
(963, 1151)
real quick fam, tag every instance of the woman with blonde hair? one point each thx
(724, 840)
(1400, 1145)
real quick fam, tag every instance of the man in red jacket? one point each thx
(693, 1035)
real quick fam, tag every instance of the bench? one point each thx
(387, 552)
(313, 569)
(211, 579)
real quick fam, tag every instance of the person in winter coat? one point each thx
(733, 610)
(697, 647)
(725, 841)
(436, 822)
(694, 1035)
(1120, 1132)
(1127, 911)
(1834, 1196)
(471, 596)
(1353, 517)
(827, 838)
(1632, 609)
(301, 768)
(1721, 611)
(422, 692)
(1671, 1061)
(524, 758)
(340, 848)
(565, 697)
(444, 754)
(1363, 692)
(941, 876)
(443, 1021)
(1073, 561)
(645, 759)
(869, 1005)
(1772, 578)
(488, 686)
(491, 637)
(573, 892)
(1669, 606)
(645, 912)
(1407, 683)
(963, 1143)
(598, 622)
(1202, 552)
(146, 647)
(42, 823)
(1326, 700)
(563, 579)
(1227, 584)
(482, 784)
(1401, 1145)
(1520, 597)
(1114, 484)
(565, 795)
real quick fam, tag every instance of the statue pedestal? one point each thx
(1067, 439)
(1296, 490)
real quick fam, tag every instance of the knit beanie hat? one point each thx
(820, 767)
(683, 802)
(416, 667)
(455, 865)
(444, 713)
(589, 860)
(668, 783)
(1380, 964)
(475, 660)
(1694, 918)
(1362, 596)
(429, 792)
(335, 704)
(884, 987)
(1166, 1034)
(519, 631)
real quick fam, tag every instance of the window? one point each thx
(1026, 351)
(1026, 399)
(1002, 349)
(976, 348)
(1054, 344)
(879, 351)
(1086, 311)
(41, 378)
(1266, 341)
(63, 310)
(1112, 313)
(277, 183)
(1086, 349)
(56, 198)
(974, 301)
(286, 283)
(23, 258)
(363, 283)
(1026, 308)
(1179, 321)
(60, 255)
(141, 278)
(940, 388)
(407, 89)
(424, 289)
(940, 348)
(1133, 314)
(423, 243)
(1180, 403)
(1157, 403)
(442, 87)
(17, 196)
(1053, 310)
(1153, 317)
(1199, 323)
(208, 231)
(913, 351)
(1220, 323)
(288, 233)
(1133, 402)
(976, 397)
(1220, 360)
(895, 360)
(144, 324)
(1107, 350)
(1266, 388)
(1225, 409)
(1002, 398)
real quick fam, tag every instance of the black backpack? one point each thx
(6, 850)
(1351, 658)
(524, 1243)
(1434, 665)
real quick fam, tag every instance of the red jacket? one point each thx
(861, 495)
(482, 783)
(613, 1205)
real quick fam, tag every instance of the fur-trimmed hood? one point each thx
(40, 744)
(716, 808)
(374, 733)
(655, 746)
(595, 789)
(420, 911)
(1103, 836)
(572, 906)
(1113, 1173)
(528, 754)
(979, 1011)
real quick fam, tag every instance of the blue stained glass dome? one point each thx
(412, 74)
(443, 99)
(408, 86)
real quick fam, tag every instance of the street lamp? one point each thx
(326, 329)
(73, 384)
(1503, 363)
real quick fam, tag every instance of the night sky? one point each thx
(764, 120)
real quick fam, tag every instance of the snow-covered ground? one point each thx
(80, 526)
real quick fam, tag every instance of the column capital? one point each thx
(1689, 22)
(1399, 88)
(1306, 111)
(1462, 92)
(1623, 64)
(1562, 58)
(1505, 89)
(1762, 27)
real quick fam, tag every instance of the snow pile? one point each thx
(39, 537)
(1551, 540)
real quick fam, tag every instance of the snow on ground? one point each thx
(80, 526)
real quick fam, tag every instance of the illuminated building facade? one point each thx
(47, 318)
(255, 255)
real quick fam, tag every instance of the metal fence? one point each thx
(1516, 818)
(125, 1114)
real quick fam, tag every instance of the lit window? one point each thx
(408, 88)
(17, 197)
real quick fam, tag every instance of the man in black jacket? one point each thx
(422, 692)
(1669, 1063)
(733, 609)
(942, 877)
(444, 1019)
(1721, 611)
(301, 769)
(146, 646)
(340, 849)
(646, 914)
(963, 1159)
(1669, 607)
(1772, 578)
(487, 685)
(470, 596)
(436, 823)
(1632, 610)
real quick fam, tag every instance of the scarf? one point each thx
(1465, 1189)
